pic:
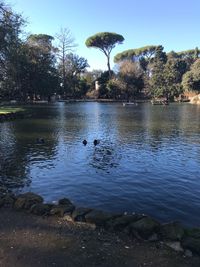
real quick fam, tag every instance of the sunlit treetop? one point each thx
(131, 54)
(191, 53)
(105, 41)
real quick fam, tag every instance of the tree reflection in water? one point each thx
(19, 150)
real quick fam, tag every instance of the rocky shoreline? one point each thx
(137, 226)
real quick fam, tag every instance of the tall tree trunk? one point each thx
(108, 64)
(63, 69)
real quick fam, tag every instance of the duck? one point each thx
(85, 142)
(96, 142)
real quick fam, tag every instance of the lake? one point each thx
(147, 161)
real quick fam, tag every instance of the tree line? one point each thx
(37, 66)
(147, 71)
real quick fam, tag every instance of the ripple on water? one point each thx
(147, 160)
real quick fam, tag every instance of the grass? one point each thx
(7, 110)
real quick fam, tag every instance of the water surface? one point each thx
(148, 159)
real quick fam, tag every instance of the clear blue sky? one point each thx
(172, 23)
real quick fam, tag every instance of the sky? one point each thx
(171, 23)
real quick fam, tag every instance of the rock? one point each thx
(194, 232)
(64, 201)
(7, 200)
(121, 222)
(175, 245)
(27, 200)
(79, 214)
(171, 231)
(67, 218)
(3, 191)
(1, 202)
(153, 238)
(191, 240)
(61, 210)
(41, 209)
(188, 253)
(145, 227)
(192, 244)
(99, 218)
(19, 203)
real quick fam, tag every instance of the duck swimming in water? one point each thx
(85, 142)
(96, 142)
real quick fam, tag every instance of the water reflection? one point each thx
(147, 160)
(19, 150)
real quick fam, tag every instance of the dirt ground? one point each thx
(30, 241)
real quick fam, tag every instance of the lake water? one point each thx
(148, 159)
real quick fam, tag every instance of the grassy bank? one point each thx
(8, 110)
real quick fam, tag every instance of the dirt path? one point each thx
(27, 240)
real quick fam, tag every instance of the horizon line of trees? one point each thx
(37, 66)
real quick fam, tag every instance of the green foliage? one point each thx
(143, 55)
(173, 72)
(190, 56)
(191, 79)
(167, 76)
(103, 81)
(173, 55)
(134, 54)
(191, 53)
(157, 81)
(74, 68)
(105, 41)
(115, 87)
(75, 65)
(127, 84)
(40, 65)
(80, 88)
(42, 41)
(35, 68)
(131, 76)
(10, 28)
(160, 55)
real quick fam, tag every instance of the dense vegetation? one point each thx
(164, 74)
(31, 67)
(38, 66)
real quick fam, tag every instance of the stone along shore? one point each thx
(136, 226)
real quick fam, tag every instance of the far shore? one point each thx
(16, 102)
